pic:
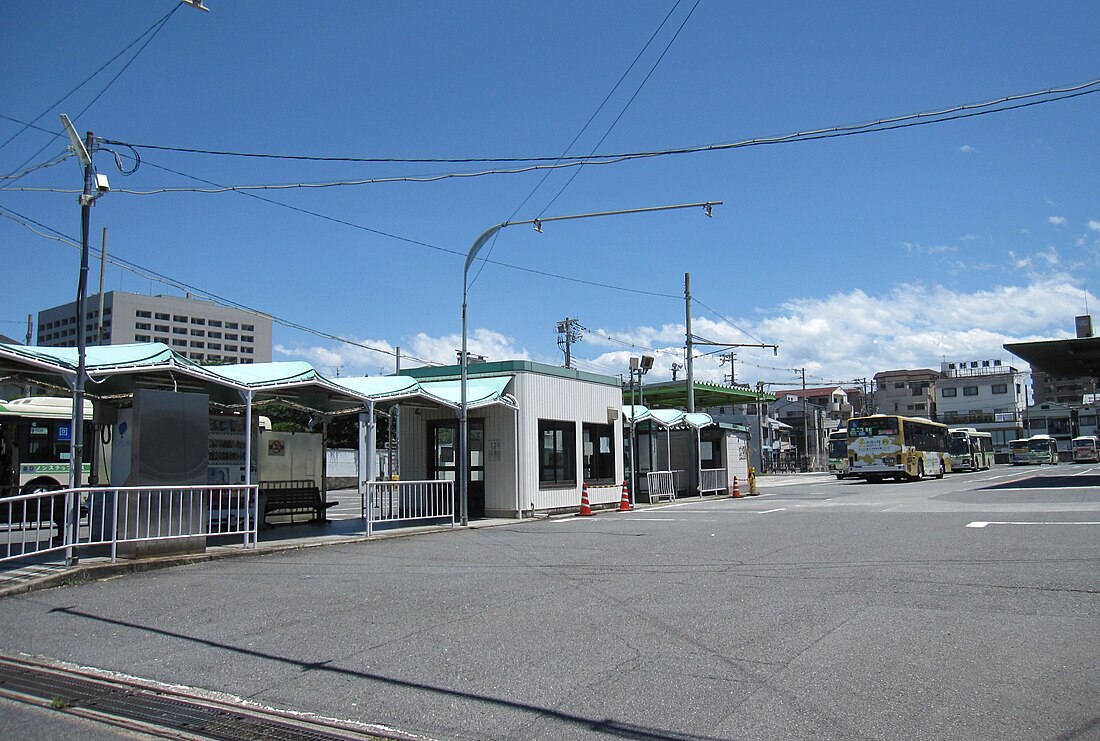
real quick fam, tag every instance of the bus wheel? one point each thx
(920, 470)
(940, 474)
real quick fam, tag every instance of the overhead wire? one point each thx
(727, 321)
(546, 173)
(936, 116)
(421, 243)
(882, 125)
(154, 29)
(637, 90)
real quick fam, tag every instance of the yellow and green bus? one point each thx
(890, 446)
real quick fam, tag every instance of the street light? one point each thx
(464, 463)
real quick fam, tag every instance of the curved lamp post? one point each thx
(464, 463)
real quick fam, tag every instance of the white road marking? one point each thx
(769, 511)
(984, 524)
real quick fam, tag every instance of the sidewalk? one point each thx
(345, 525)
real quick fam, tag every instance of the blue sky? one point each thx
(853, 254)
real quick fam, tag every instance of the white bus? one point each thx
(890, 446)
(1086, 449)
(35, 438)
(970, 450)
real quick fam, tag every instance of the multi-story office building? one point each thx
(906, 392)
(984, 394)
(199, 330)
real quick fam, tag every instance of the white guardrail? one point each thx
(408, 501)
(41, 523)
(662, 484)
(712, 479)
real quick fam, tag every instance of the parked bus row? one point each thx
(890, 446)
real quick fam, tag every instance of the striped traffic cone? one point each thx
(736, 489)
(624, 503)
(586, 508)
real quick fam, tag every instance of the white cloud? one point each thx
(966, 149)
(1057, 220)
(1094, 225)
(840, 337)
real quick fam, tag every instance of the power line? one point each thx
(420, 243)
(912, 120)
(155, 29)
(727, 321)
(614, 123)
(882, 124)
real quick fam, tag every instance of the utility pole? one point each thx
(568, 332)
(730, 358)
(805, 427)
(689, 344)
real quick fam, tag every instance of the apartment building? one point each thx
(906, 392)
(199, 330)
(984, 394)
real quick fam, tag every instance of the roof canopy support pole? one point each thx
(372, 443)
(247, 394)
(367, 435)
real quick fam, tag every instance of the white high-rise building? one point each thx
(199, 330)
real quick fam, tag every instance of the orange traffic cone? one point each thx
(736, 489)
(624, 503)
(586, 509)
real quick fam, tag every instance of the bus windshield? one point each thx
(838, 448)
(870, 427)
(1039, 446)
(958, 444)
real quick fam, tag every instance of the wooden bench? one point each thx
(291, 498)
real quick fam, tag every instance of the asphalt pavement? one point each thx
(965, 608)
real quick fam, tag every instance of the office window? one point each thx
(970, 390)
(161, 317)
(948, 393)
(1000, 388)
(197, 320)
(231, 325)
(247, 338)
(196, 344)
(230, 336)
(599, 453)
(215, 323)
(179, 343)
(213, 346)
(161, 339)
(198, 332)
(196, 356)
(144, 314)
(231, 348)
(179, 330)
(141, 338)
(557, 454)
(214, 335)
(162, 328)
(247, 328)
(142, 325)
(179, 318)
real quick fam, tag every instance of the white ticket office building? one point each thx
(536, 434)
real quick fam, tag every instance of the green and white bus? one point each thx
(35, 439)
(1037, 449)
(838, 454)
(889, 446)
(970, 450)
